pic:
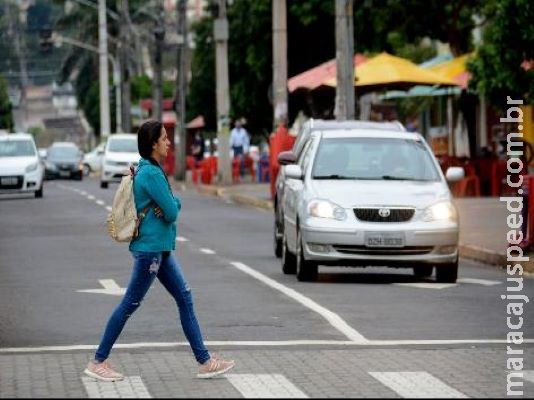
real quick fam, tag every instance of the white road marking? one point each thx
(265, 386)
(416, 385)
(207, 251)
(259, 343)
(83, 193)
(528, 375)
(131, 387)
(484, 282)
(91, 197)
(108, 208)
(427, 285)
(100, 203)
(335, 320)
(110, 287)
(182, 239)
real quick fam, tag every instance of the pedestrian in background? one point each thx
(198, 147)
(153, 254)
(240, 143)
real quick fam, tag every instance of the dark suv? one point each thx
(64, 160)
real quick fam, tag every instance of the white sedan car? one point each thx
(21, 168)
(361, 197)
(121, 152)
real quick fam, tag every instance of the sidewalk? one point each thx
(483, 220)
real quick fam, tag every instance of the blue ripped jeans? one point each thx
(147, 267)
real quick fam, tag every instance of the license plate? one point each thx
(64, 173)
(9, 181)
(384, 240)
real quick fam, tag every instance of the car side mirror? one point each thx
(287, 157)
(293, 171)
(454, 174)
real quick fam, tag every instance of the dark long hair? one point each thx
(147, 136)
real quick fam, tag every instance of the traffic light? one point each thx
(45, 39)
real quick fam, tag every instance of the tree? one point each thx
(500, 68)
(6, 116)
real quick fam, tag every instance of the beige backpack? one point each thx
(123, 221)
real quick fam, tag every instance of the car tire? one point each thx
(86, 170)
(277, 241)
(423, 271)
(447, 273)
(39, 193)
(288, 259)
(307, 271)
(103, 185)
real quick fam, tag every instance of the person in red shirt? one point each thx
(279, 141)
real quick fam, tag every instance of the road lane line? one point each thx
(100, 202)
(182, 239)
(108, 208)
(91, 197)
(260, 343)
(207, 251)
(484, 282)
(335, 320)
(426, 285)
(416, 385)
(131, 387)
(265, 386)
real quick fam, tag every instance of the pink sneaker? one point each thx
(213, 367)
(102, 371)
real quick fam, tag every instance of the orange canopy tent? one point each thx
(317, 76)
(386, 71)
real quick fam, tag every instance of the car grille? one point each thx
(384, 214)
(383, 251)
(11, 182)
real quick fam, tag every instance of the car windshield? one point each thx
(16, 148)
(374, 159)
(62, 152)
(123, 145)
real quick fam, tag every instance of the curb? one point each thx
(468, 251)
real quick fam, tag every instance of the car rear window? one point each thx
(123, 145)
(16, 148)
(63, 152)
(374, 159)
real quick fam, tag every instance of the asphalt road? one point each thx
(52, 247)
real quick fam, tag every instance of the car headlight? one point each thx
(326, 209)
(444, 211)
(32, 167)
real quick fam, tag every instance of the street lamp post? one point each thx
(103, 76)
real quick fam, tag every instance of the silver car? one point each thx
(362, 197)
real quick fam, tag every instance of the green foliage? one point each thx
(508, 41)
(6, 116)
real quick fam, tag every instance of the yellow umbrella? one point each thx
(385, 71)
(454, 69)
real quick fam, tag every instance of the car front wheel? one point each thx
(288, 259)
(277, 240)
(447, 273)
(39, 193)
(307, 271)
(103, 185)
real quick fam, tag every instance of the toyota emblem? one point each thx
(384, 212)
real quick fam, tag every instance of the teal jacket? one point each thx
(151, 187)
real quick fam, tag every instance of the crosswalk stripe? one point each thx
(132, 387)
(262, 386)
(484, 282)
(416, 385)
(528, 375)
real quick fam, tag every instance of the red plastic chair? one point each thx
(249, 165)
(191, 164)
(236, 169)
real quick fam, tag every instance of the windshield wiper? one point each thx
(399, 178)
(333, 176)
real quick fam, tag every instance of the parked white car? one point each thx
(21, 168)
(362, 197)
(92, 161)
(121, 152)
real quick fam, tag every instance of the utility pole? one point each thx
(344, 55)
(220, 33)
(279, 61)
(103, 57)
(181, 86)
(157, 82)
(124, 40)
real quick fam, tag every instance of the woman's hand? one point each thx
(158, 212)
